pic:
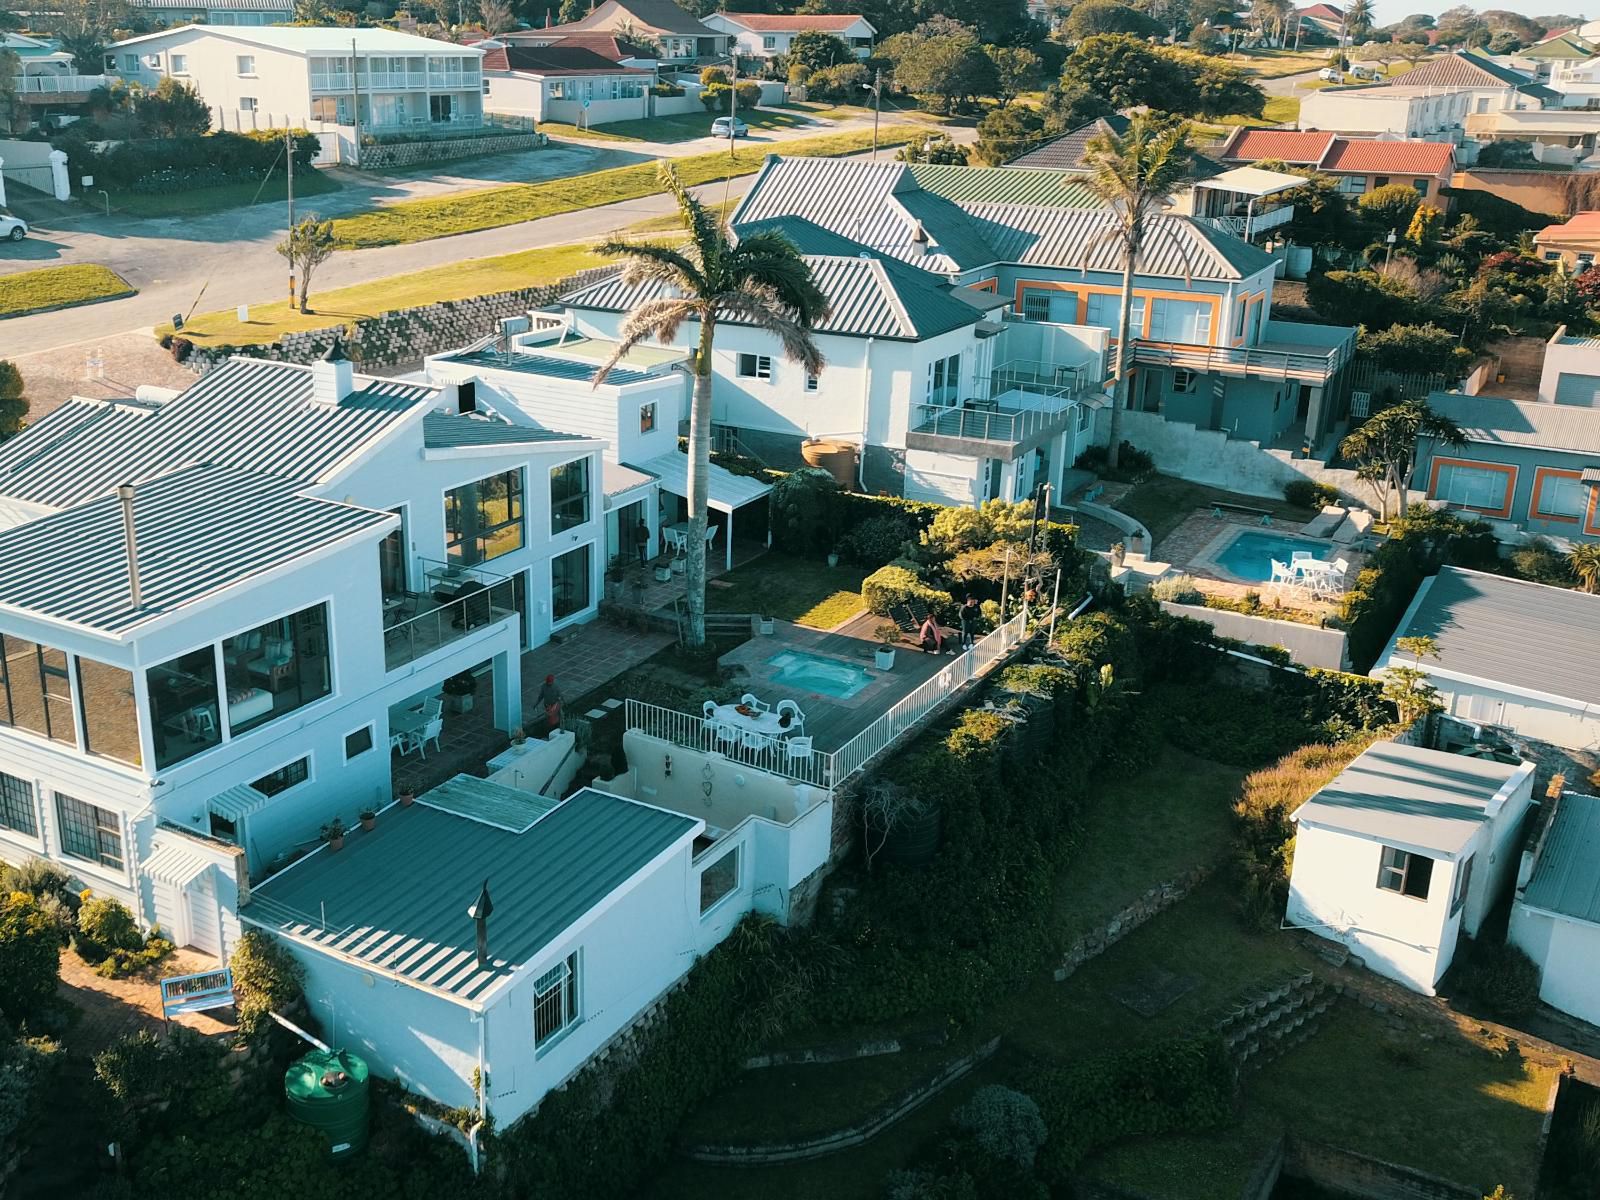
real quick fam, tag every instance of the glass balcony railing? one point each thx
(457, 601)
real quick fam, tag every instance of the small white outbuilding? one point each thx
(1556, 916)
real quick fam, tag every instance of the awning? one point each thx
(176, 864)
(1252, 181)
(237, 802)
(1591, 475)
(624, 485)
(725, 490)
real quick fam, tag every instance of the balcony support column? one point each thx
(506, 672)
(1314, 419)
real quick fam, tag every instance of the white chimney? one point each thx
(131, 542)
(919, 241)
(332, 376)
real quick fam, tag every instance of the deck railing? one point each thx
(58, 85)
(829, 769)
(1244, 360)
(454, 616)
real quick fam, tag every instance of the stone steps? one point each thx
(1265, 1024)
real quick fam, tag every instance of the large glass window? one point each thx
(1562, 496)
(38, 690)
(276, 668)
(284, 777)
(1186, 321)
(1472, 487)
(483, 520)
(569, 495)
(16, 805)
(1104, 309)
(89, 832)
(183, 706)
(569, 582)
(110, 712)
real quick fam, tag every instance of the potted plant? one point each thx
(333, 834)
(407, 797)
(766, 626)
(369, 819)
(614, 574)
(1118, 553)
(459, 691)
(518, 736)
(663, 572)
(883, 656)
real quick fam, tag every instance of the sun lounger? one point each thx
(1355, 526)
(1325, 522)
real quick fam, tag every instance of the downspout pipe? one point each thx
(866, 412)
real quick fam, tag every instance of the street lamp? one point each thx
(1388, 254)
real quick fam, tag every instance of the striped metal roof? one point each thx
(556, 368)
(172, 862)
(1509, 631)
(366, 901)
(1175, 247)
(1065, 153)
(450, 431)
(252, 415)
(496, 804)
(200, 530)
(1566, 879)
(1500, 422)
(1020, 185)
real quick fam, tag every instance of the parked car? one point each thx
(1331, 74)
(14, 228)
(729, 127)
(1368, 73)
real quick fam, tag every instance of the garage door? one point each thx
(1580, 390)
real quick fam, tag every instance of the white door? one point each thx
(200, 912)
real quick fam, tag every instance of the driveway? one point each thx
(1288, 85)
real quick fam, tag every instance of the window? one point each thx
(755, 366)
(1241, 312)
(486, 87)
(286, 777)
(183, 705)
(1404, 872)
(38, 692)
(110, 712)
(357, 742)
(769, 42)
(276, 668)
(1562, 497)
(1379, 181)
(555, 1001)
(245, 64)
(1183, 382)
(944, 380)
(1050, 304)
(442, 108)
(247, 104)
(16, 805)
(569, 495)
(89, 832)
(558, 89)
(811, 382)
(1421, 185)
(1463, 883)
(1552, 255)
(153, 61)
(1352, 185)
(1185, 321)
(719, 879)
(1104, 309)
(130, 63)
(483, 520)
(180, 64)
(647, 417)
(1472, 487)
(569, 583)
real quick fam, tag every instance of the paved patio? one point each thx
(1191, 546)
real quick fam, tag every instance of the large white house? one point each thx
(767, 35)
(1404, 851)
(1555, 918)
(264, 77)
(217, 607)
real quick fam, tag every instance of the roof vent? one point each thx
(332, 376)
(480, 911)
(131, 541)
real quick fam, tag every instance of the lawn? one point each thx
(490, 208)
(683, 127)
(1162, 502)
(195, 201)
(1275, 64)
(673, 222)
(1279, 110)
(791, 589)
(59, 287)
(457, 281)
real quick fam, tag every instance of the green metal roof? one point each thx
(1564, 47)
(1014, 185)
(1566, 879)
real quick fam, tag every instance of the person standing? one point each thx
(971, 614)
(641, 538)
(550, 697)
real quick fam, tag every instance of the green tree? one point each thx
(573, 10)
(1391, 206)
(1385, 446)
(13, 403)
(10, 106)
(815, 50)
(1382, 53)
(1427, 349)
(308, 246)
(1408, 687)
(842, 83)
(175, 109)
(1007, 133)
(1424, 226)
(1585, 563)
(1135, 175)
(761, 281)
(1016, 69)
(1069, 105)
(1358, 19)
(941, 60)
(1220, 89)
(1413, 48)
(30, 946)
(1126, 73)
(1106, 16)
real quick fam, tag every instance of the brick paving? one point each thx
(111, 1008)
(112, 366)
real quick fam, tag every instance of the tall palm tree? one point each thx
(1135, 174)
(758, 280)
(1585, 563)
(1358, 19)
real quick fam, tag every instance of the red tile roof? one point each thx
(553, 60)
(1325, 12)
(770, 23)
(1368, 156)
(1284, 145)
(1584, 224)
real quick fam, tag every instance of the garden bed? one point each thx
(51, 288)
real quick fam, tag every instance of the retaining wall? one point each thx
(382, 155)
(1119, 925)
(1352, 1174)
(1308, 645)
(1211, 457)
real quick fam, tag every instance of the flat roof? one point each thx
(531, 362)
(1566, 877)
(396, 898)
(1406, 796)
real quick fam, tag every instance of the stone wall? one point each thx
(1352, 1174)
(386, 155)
(405, 335)
(1111, 931)
(1308, 645)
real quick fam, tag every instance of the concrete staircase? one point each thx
(1267, 1023)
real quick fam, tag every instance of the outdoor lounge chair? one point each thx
(1325, 522)
(1356, 525)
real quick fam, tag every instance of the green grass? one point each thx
(682, 127)
(490, 208)
(194, 202)
(602, 133)
(59, 287)
(1162, 503)
(1275, 64)
(673, 223)
(457, 281)
(791, 589)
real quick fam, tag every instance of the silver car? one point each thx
(13, 228)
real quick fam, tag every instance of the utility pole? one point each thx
(877, 108)
(733, 104)
(355, 108)
(288, 148)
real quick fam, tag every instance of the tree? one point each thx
(1424, 349)
(1385, 446)
(1008, 133)
(308, 246)
(1588, 285)
(1382, 53)
(1134, 174)
(1358, 19)
(1070, 105)
(13, 404)
(174, 109)
(30, 965)
(10, 69)
(1413, 48)
(1459, 25)
(1016, 69)
(1584, 560)
(936, 148)
(941, 59)
(1220, 89)
(814, 49)
(1127, 73)
(573, 10)
(1391, 206)
(1408, 687)
(1105, 16)
(496, 16)
(760, 281)
(1424, 225)
(842, 83)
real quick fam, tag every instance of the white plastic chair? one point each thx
(797, 748)
(709, 708)
(711, 535)
(754, 743)
(793, 709)
(727, 734)
(432, 707)
(749, 701)
(430, 732)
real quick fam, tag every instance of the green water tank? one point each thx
(328, 1091)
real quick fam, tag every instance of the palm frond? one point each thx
(651, 262)
(659, 319)
(761, 306)
(771, 261)
(705, 228)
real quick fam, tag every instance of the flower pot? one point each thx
(883, 659)
(766, 626)
(833, 560)
(407, 799)
(336, 843)
(663, 573)
(459, 704)
(369, 823)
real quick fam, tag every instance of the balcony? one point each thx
(458, 601)
(1252, 224)
(1289, 350)
(1018, 406)
(31, 87)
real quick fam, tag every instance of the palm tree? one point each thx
(1585, 563)
(1135, 174)
(1358, 19)
(759, 280)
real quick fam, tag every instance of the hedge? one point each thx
(158, 164)
(889, 587)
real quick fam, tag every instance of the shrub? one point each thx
(893, 585)
(1361, 298)
(1132, 462)
(1503, 979)
(30, 947)
(1004, 1123)
(710, 75)
(105, 924)
(266, 977)
(51, 888)
(176, 1080)
(715, 97)
(1309, 493)
(841, 82)
(181, 348)
(1096, 640)
(878, 539)
(1391, 206)
(1541, 562)
(1177, 589)
(801, 508)
(25, 1068)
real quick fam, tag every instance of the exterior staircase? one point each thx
(1265, 1024)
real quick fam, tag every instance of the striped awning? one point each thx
(176, 864)
(1591, 475)
(238, 801)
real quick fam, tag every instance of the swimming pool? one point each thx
(819, 674)
(1249, 556)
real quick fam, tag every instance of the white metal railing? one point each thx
(1244, 360)
(828, 769)
(58, 85)
(1247, 227)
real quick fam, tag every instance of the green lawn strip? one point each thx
(60, 287)
(1191, 1166)
(490, 208)
(601, 133)
(1280, 110)
(1275, 64)
(672, 222)
(791, 589)
(1162, 503)
(455, 281)
(187, 203)
(682, 127)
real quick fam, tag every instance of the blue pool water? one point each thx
(1249, 556)
(818, 673)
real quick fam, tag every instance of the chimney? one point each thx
(479, 912)
(131, 541)
(919, 241)
(332, 376)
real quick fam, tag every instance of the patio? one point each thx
(1206, 546)
(456, 601)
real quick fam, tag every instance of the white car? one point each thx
(13, 228)
(1331, 74)
(724, 127)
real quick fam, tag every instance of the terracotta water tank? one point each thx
(833, 456)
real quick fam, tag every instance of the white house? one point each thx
(767, 35)
(1578, 83)
(1570, 373)
(1555, 918)
(204, 669)
(678, 37)
(1490, 87)
(1519, 655)
(1404, 851)
(1437, 114)
(263, 77)
(572, 84)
